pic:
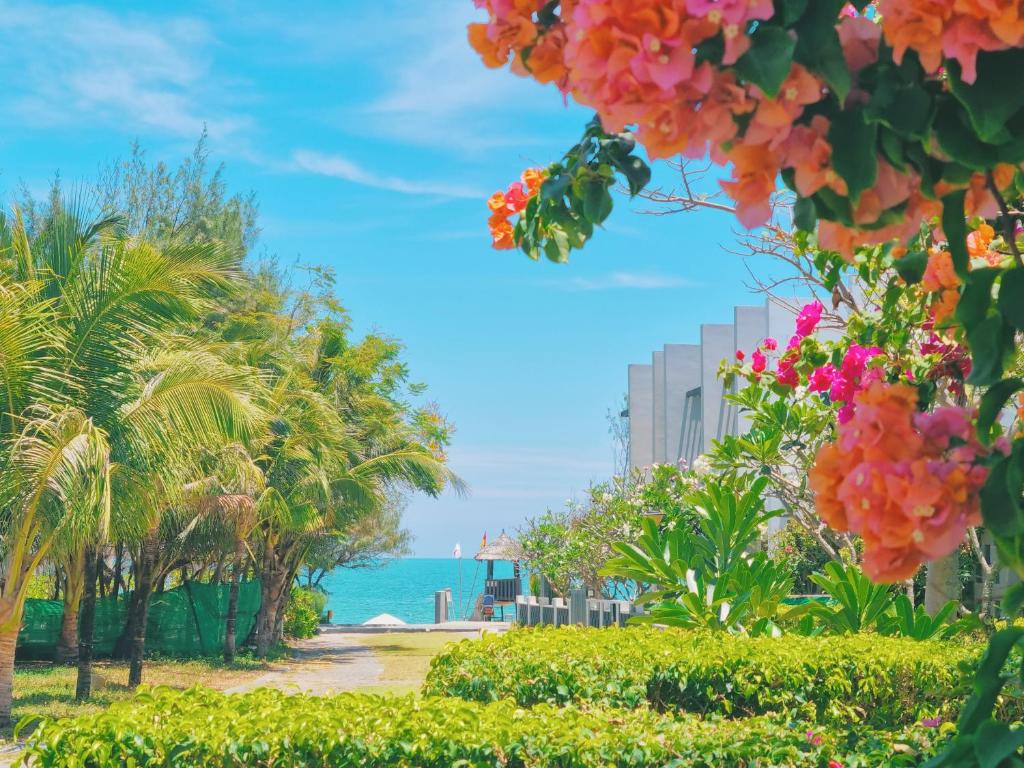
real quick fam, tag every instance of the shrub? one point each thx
(878, 680)
(302, 615)
(271, 729)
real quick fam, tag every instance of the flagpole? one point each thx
(460, 586)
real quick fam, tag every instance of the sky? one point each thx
(372, 136)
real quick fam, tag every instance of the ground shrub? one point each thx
(866, 678)
(303, 612)
(272, 729)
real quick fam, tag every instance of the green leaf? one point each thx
(1001, 515)
(988, 681)
(1011, 297)
(995, 96)
(993, 402)
(818, 46)
(986, 341)
(768, 61)
(958, 139)
(597, 202)
(1013, 599)
(792, 10)
(854, 156)
(912, 266)
(955, 226)
(805, 216)
(977, 296)
(995, 742)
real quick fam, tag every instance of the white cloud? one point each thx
(625, 280)
(340, 167)
(82, 65)
(437, 91)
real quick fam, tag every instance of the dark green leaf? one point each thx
(854, 155)
(995, 96)
(977, 297)
(986, 341)
(597, 202)
(993, 402)
(1011, 297)
(804, 215)
(911, 267)
(768, 61)
(955, 226)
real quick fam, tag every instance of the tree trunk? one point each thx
(273, 582)
(118, 565)
(83, 688)
(942, 583)
(8, 642)
(143, 588)
(232, 619)
(74, 585)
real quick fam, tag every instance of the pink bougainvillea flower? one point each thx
(808, 319)
(770, 344)
(758, 361)
(740, 355)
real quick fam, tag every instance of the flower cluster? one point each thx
(956, 30)
(907, 482)
(510, 203)
(941, 280)
(853, 374)
(785, 373)
(669, 69)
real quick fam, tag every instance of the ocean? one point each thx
(405, 588)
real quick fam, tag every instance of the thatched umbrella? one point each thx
(502, 548)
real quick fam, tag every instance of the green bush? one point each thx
(878, 680)
(303, 612)
(271, 729)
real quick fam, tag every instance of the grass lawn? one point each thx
(45, 690)
(405, 657)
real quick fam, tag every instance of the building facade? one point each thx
(677, 403)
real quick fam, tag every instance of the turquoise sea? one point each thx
(404, 588)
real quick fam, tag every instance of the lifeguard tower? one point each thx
(499, 592)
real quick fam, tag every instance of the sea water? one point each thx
(405, 588)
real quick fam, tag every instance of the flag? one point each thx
(483, 541)
(457, 552)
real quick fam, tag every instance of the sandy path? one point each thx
(325, 663)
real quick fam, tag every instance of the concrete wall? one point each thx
(715, 346)
(658, 389)
(641, 416)
(682, 373)
(750, 327)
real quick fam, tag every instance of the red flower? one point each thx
(760, 362)
(740, 355)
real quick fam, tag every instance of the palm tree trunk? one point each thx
(74, 585)
(83, 688)
(8, 642)
(143, 589)
(230, 627)
(273, 581)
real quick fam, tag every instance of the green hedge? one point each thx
(271, 729)
(865, 678)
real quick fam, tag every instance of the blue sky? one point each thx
(372, 136)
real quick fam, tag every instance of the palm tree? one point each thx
(87, 308)
(54, 480)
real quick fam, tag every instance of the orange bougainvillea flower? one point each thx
(504, 205)
(907, 482)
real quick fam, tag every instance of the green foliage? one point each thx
(571, 546)
(880, 680)
(704, 577)
(857, 604)
(576, 196)
(303, 612)
(916, 623)
(277, 730)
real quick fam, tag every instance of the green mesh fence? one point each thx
(185, 621)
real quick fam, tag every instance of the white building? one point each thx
(676, 401)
